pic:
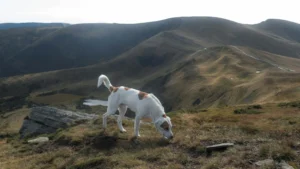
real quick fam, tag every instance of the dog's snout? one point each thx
(171, 137)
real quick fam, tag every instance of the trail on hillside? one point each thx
(265, 61)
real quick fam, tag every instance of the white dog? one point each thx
(143, 104)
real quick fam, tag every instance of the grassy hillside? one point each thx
(281, 29)
(13, 41)
(216, 76)
(273, 133)
(86, 44)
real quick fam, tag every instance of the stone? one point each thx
(262, 163)
(284, 165)
(38, 140)
(45, 119)
(219, 146)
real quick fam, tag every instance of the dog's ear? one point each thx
(164, 125)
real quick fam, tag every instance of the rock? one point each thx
(263, 163)
(219, 146)
(45, 119)
(196, 102)
(39, 140)
(284, 165)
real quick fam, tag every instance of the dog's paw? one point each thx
(134, 140)
(123, 131)
(104, 131)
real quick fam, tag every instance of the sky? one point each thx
(137, 11)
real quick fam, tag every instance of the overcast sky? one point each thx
(135, 11)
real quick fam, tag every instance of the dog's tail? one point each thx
(104, 79)
(90, 102)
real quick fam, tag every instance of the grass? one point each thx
(290, 104)
(256, 137)
(246, 111)
(249, 110)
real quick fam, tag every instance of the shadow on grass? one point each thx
(104, 141)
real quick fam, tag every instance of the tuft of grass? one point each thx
(246, 111)
(249, 129)
(99, 162)
(257, 106)
(264, 151)
(295, 104)
(283, 152)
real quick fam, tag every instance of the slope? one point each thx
(13, 41)
(216, 76)
(281, 29)
(86, 44)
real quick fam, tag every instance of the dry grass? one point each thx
(11, 122)
(256, 137)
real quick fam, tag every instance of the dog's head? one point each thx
(164, 126)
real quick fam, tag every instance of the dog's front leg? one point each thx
(104, 122)
(137, 126)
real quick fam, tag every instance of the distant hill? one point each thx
(13, 41)
(86, 44)
(196, 61)
(30, 25)
(83, 44)
(281, 29)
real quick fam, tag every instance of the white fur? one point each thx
(123, 99)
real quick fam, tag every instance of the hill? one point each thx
(83, 44)
(281, 29)
(30, 25)
(13, 41)
(270, 132)
(216, 76)
(86, 44)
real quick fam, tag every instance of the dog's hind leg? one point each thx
(110, 111)
(122, 110)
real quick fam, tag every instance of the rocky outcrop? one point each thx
(38, 140)
(47, 119)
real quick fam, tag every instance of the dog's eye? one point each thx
(167, 128)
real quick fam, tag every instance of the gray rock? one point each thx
(219, 146)
(38, 140)
(264, 163)
(45, 119)
(284, 165)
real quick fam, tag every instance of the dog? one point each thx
(143, 104)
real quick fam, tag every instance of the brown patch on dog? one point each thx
(113, 89)
(142, 95)
(164, 115)
(165, 125)
(126, 88)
